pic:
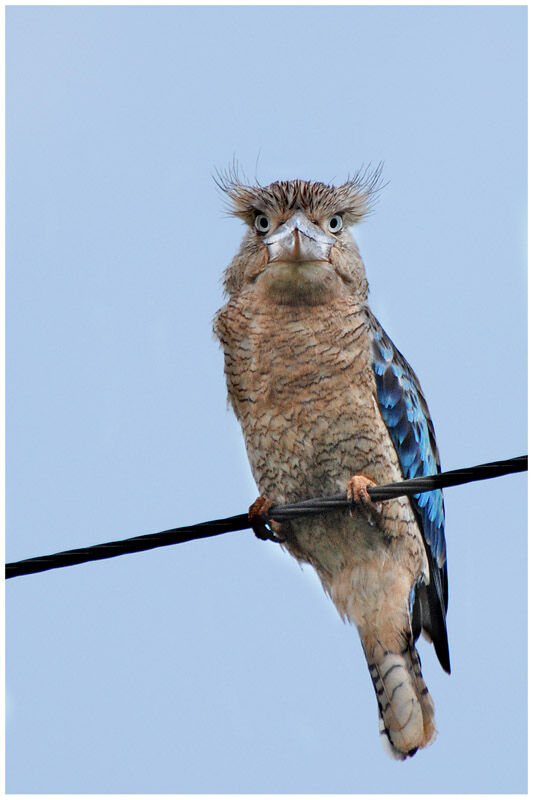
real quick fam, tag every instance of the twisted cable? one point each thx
(280, 513)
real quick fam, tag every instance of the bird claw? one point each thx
(361, 501)
(264, 528)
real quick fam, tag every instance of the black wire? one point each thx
(386, 491)
(239, 522)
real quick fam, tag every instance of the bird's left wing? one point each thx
(406, 415)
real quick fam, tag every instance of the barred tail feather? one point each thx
(406, 712)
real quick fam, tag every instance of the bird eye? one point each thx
(335, 224)
(262, 223)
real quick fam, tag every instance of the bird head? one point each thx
(298, 248)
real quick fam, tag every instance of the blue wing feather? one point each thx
(406, 415)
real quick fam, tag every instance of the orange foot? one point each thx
(263, 527)
(360, 499)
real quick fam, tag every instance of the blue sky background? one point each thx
(220, 666)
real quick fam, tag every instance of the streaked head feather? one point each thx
(354, 199)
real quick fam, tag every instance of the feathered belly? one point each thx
(305, 396)
(297, 451)
(311, 446)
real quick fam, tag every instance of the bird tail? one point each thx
(406, 711)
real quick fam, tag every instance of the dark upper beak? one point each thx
(298, 239)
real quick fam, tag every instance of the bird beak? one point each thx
(298, 239)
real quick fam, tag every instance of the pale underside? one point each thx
(301, 384)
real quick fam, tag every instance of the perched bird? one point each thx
(327, 404)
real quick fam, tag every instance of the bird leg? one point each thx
(360, 499)
(263, 527)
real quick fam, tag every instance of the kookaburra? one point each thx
(327, 404)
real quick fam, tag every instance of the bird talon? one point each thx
(264, 528)
(360, 499)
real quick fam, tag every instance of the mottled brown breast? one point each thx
(301, 383)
